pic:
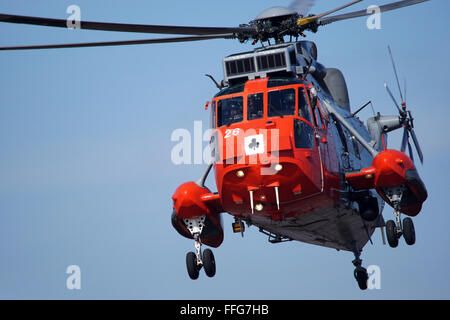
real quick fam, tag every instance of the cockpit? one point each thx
(265, 101)
(278, 99)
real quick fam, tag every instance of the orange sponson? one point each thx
(187, 201)
(392, 168)
(192, 201)
(388, 170)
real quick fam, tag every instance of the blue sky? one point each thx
(86, 177)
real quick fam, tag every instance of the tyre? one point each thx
(209, 263)
(391, 233)
(409, 232)
(368, 208)
(191, 264)
(369, 214)
(361, 277)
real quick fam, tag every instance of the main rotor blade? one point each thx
(396, 75)
(392, 97)
(405, 88)
(302, 7)
(362, 13)
(123, 27)
(337, 9)
(120, 43)
(416, 144)
(303, 21)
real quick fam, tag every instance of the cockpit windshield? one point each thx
(255, 106)
(272, 102)
(281, 103)
(230, 111)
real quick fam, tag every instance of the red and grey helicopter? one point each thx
(289, 155)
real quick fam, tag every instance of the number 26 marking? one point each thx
(234, 132)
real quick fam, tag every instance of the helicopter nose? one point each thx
(266, 189)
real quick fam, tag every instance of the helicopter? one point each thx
(289, 155)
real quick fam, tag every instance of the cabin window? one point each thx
(303, 135)
(281, 103)
(213, 115)
(321, 115)
(303, 106)
(230, 111)
(255, 106)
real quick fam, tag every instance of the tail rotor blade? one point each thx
(416, 144)
(396, 75)
(392, 97)
(411, 155)
(404, 140)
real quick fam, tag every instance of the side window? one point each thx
(303, 106)
(303, 135)
(213, 114)
(255, 106)
(356, 147)
(281, 103)
(341, 134)
(318, 117)
(230, 111)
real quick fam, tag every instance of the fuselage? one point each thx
(280, 159)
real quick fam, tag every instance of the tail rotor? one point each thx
(406, 117)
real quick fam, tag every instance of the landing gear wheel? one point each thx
(369, 214)
(209, 263)
(391, 233)
(361, 277)
(191, 264)
(408, 231)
